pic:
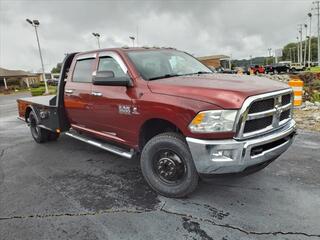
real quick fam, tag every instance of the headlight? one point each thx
(213, 121)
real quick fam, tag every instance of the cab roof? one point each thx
(127, 49)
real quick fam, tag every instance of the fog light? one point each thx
(222, 155)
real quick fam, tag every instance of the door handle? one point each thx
(97, 94)
(69, 91)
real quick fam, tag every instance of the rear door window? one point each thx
(83, 71)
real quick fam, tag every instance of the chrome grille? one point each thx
(263, 113)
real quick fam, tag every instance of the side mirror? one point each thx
(107, 78)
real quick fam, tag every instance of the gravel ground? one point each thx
(308, 119)
(69, 190)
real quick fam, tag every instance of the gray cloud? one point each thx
(240, 28)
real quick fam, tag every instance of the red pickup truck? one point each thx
(256, 69)
(167, 108)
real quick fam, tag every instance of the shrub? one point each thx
(53, 90)
(311, 85)
(41, 90)
(34, 85)
(315, 97)
(307, 78)
(37, 91)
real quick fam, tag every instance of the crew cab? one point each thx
(165, 107)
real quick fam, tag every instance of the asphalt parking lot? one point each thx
(70, 190)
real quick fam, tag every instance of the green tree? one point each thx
(57, 68)
(290, 51)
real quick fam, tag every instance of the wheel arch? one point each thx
(153, 127)
(28, 110)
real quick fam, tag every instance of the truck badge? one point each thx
(124, 109)
(128, 110)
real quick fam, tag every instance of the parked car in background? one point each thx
(268, 69)
(53, 81)
(277, 68)
(243, 70)
(225, 70)
(256, 69)
(296, 67)
(229, 71)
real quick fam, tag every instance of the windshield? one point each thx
(157, 64)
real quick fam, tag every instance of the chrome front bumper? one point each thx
(232, 156)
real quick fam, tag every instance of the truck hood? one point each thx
(224, 90)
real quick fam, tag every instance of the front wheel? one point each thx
(168, 167)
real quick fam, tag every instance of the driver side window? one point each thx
(110, 64)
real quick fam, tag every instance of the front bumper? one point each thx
(233, 156)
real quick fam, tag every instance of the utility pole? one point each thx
(35, 24)
(298, 52)
(97, 36)
(137, 35)
(305, 46)
(290, 54)
(294, 55)
(309, 58)
(132, 38)
(301, 49)
(317, 8)
(269, 54)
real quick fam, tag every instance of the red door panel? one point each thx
(106, 116)
(78, 90)
(77, 100)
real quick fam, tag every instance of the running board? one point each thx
(105, 146)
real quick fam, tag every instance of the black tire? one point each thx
(159, 154)
(40, 135)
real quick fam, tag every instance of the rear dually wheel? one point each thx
(40, 135)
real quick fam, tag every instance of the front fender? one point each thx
(176, 110)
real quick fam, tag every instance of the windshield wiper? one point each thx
(178, 75)
(203, 72)
(200, 72)
(165, 76)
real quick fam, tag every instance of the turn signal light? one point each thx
(198, 119)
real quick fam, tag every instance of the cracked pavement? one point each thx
(70, 190)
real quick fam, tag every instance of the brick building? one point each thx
(18, 77)
(216, 61)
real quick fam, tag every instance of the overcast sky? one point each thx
(240, 28)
